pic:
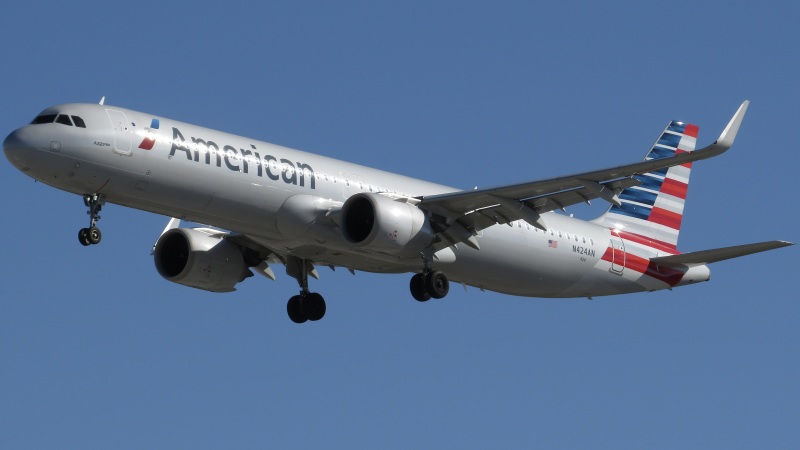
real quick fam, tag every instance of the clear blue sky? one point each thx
(97, 351)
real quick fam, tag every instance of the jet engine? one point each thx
(195, 259)
(380, 224)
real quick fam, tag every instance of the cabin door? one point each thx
(122, 135)
(617, 253)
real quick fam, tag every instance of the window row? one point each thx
(552, 232)
(357, 185)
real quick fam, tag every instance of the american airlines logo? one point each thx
(238, 160)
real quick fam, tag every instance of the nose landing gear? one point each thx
(92, 235)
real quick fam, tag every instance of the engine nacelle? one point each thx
(195, 259)
(380, 224)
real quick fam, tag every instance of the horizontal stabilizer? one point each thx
(717, 254)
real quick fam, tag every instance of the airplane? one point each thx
(263, 205)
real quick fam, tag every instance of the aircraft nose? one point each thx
(17, 149)
(12, 144)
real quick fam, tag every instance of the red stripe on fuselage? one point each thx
(668, 275)
(649, 242)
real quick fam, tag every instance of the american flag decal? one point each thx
(552, 244)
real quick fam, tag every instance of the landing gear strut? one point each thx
(92, 235)
(307, 305)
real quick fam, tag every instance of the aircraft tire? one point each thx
(313, 306)
(436, 284)
(83, 237)
(294, 310)
(417, 286)
(94, 235)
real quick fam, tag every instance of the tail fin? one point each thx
(654, 209)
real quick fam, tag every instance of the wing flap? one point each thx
(718, 254)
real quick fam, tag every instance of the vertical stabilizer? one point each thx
(653, 210)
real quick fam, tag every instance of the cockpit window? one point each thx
(63, 119)
(78, 122)
(45, 118)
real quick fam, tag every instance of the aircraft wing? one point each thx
(718, 254)
(466, 212)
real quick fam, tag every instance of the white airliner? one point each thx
(285, 206)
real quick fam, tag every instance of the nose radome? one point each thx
(12, 144)
(17, 149)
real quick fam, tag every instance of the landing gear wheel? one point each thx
(436, 284)
(94, 235)
(313, 306)
(418, 288)
(83, 237)
(294, 309)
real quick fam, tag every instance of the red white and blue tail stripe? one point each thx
(653, 210)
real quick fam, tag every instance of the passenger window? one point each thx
(559, 234)
(78, 122)
(592, 241)
(47, 118)
(63, 120)
(584, 240)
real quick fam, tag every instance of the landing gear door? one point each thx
(617, 253)
(122, 135)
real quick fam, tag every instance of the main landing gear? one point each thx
(92, 235)
(307, 305)
(429, 284)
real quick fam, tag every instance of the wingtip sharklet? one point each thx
(729, 133)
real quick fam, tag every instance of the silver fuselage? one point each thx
(244, 185)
